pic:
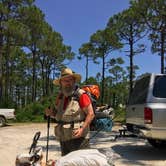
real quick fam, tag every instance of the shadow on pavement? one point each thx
(135, 153)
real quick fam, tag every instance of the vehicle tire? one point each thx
(157, 143)
(2, 121)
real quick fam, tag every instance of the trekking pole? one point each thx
(48, 127)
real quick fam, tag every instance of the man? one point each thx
(73, 115)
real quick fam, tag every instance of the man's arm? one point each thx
(89, 117)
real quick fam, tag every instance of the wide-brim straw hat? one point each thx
(65, 73)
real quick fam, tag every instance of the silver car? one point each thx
(146, 109)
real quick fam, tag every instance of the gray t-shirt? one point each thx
(85, 157)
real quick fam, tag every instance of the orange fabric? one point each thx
(92, 89)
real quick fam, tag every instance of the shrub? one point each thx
(120, 115)
(33, 112)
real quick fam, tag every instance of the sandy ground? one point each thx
(17, 138)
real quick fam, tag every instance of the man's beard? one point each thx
(67, 91)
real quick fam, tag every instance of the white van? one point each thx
(146, 109)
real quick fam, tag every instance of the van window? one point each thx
(159, 89)
(140, 91)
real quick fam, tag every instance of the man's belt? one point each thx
(63, 123)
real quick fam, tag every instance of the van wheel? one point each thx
(2, 121)
(157, 143)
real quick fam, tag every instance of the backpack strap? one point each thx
(78, 92)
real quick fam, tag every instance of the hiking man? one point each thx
(73, 116)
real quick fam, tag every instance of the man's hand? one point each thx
(78, 132)
(49, 112)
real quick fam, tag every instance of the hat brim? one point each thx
(77, 78)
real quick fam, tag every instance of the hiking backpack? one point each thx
(102, 120)
(93, 92)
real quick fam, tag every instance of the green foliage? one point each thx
(120, 115)
(103, 43)
(90, 80)
(31, 113)
(34, 112)
(7, 103)
(130, 30)
(31, 52)
(153, 14)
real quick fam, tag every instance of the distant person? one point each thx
(73, 116)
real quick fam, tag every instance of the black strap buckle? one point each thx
(72, 124)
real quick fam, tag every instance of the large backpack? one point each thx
(102, 120)
(93, 92)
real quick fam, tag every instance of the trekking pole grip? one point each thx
(48, 122)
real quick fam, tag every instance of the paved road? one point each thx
(17, 138)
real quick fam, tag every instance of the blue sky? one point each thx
(77, 20)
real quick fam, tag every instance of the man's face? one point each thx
(67, 85)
